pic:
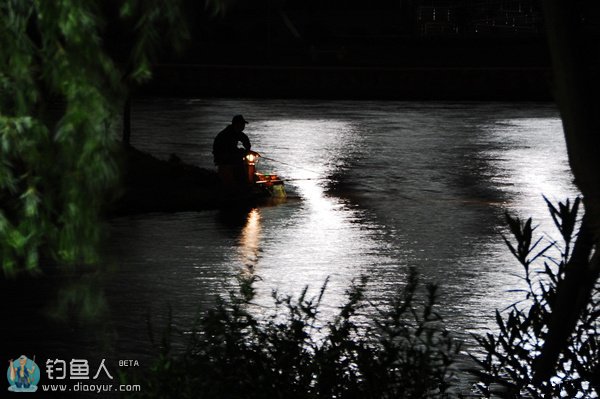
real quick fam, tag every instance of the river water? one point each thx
(375, 187)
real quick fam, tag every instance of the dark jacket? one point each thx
(225, 146)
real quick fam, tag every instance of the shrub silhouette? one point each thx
(404, 352)
(507, 368)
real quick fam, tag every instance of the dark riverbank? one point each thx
(154, 185)
(340, 82)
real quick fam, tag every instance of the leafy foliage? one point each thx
(507, 369)
(291, 353)
(56, 166)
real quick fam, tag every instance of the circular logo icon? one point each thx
(23, 374)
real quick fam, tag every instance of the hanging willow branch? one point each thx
(57, 167)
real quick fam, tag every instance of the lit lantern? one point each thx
(251, 159)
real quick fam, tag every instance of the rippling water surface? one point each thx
(376, 187)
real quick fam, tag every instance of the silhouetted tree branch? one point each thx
(576, 93)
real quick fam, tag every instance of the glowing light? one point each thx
(252, 158)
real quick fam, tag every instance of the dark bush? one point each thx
(507, 368)
(404, 352)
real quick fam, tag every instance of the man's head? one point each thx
(23, 360)
(239, 123)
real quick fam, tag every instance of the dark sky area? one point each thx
(378, 32)
(395, 34)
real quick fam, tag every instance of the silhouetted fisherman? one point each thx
(228, 157)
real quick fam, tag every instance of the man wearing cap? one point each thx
(228, 157)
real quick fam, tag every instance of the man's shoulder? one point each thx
(222, 133)
(228, 128)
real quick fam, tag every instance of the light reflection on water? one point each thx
(249, 243)
(378, 187)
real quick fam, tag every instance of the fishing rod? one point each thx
(308, 178)
(289, 164)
